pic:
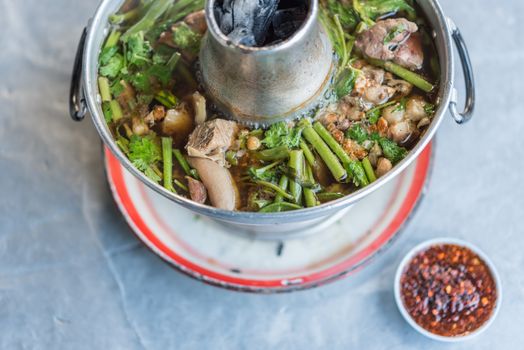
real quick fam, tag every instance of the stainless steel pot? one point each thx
(84, 97)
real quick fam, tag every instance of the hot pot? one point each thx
(84, 97)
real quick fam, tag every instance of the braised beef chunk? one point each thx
(392, 40)
(212, 139)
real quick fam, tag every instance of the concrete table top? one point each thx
(72, 276)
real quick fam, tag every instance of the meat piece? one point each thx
(140, 128)
(391, 40)
(415, 110)
(354, 150)
(178, 123)
(221, 188)
(351, 108)
(197, 22)
(197, 190)
(402, 87)
(199, 107)
(410, 54)
(157, 114)
(212, 139)
(245, 22)
(383, 166)
(393, 114)
(369, 86)
(402, 132)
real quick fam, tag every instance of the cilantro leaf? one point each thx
(357, 133)
(138, 50)
(140, 81)
(106, 54)
(186, 39)
(144, 152)
(391, 150)
(113, 66)
(280, 134)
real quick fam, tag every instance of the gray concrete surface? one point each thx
(72, 276)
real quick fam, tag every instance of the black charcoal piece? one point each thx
(258, 23)
(287, 21)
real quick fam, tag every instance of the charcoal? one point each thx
(287, 21)
(258, 23)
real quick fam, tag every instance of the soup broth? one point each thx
(384, 94)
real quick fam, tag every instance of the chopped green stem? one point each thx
(283, 184)
(370, 173)
(296, 165)
(258, 173)
(278, 207)
(380, 107)
(332, 162)
(310, 157)
(157, 9)
(185, 165)
(273, 154)
(167, 156)
(181, 185)
(116, 110)
(275, 188)
(329, 196)
(105, 90)
(181, 9)
(113, 38)
(406, 74)
(167, 99)
(331, 142)
(119, 18)
(173, 61)
(309, 195)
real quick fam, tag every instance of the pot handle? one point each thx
(77, 102)
(467, 68)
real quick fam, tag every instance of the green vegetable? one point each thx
(186, 39)
(123, 144)
(267, 173)
(296, 165)
(406, 74)
(283, 184)
(280, 134)
(329, 196)
(157, 9)
(358, 174)
(144, 153)
(231, 157)
(347, 15)
(116, 110)
(181, 9)
(374, 114)
(119, 18)
(275, 188)
(167, 99)
(393, 33)
(337, 36)
(181, 185)
(105, 90)
(108, 113)
(185, 165)
(113, 66)
(273, 154)
(346, 81)
(333, 164)
(310, 157)
(429, 108)
(167, 157)
(112, 39)
(331, 142)
(368, 168)
(370, 10)
(138, 50)
(357, 133)
(391, 150)
(141, 82)
(279, 207)
(309, 195)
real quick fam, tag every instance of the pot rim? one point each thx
(96, 33)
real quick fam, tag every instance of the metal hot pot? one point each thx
(84, 97)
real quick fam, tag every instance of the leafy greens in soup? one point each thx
(384, 99)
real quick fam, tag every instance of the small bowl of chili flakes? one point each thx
(448, 289)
